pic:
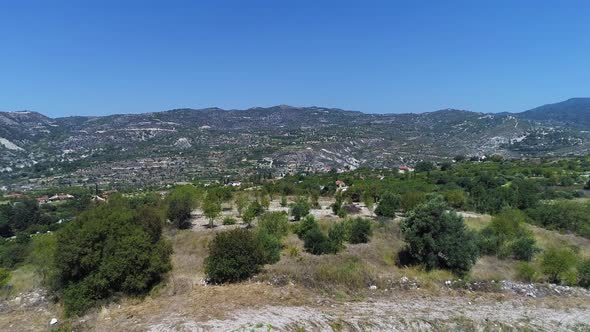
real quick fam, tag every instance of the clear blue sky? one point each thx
(102, 57)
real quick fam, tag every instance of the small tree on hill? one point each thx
(211, 209)
(438, 238)
(299, 209)
(388, 205)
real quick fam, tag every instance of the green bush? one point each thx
(229, 221)
(563, 215)
(388, 205)
(359, 230)
(316, 242)
(107, 250)
(305, 226)
(438, 238)
(4, 276)
(181, 202)
(300, 209)
(274, 223)
(584, 273)
(526, 272)
(506, 236)
(557, 264)
(234, 255)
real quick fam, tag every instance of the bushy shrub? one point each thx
(4, 276)
(272, 227)
(229, 221)
(562, 215)
(438, 238)
(506, 236)
(557, 264)
(526, 272)
(181, 202)
(234, 255)
(316, 242)
(300, 209)
(388, 205)
(106, 250)
(359, 230)
(411, 199)
(584, 273)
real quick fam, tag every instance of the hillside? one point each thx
(573, 112)
(189, 144)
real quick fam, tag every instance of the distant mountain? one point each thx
(572, 112)
(189, 144)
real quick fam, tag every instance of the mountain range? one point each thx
(188, 144)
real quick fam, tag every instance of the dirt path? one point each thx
(407, 314)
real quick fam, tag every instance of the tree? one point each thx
(360, 230)
(181, 202)
(388, 205)
(299, 209)
(424, 166)
(558, 264)
(211, 209)
(233, 256)
(506, 236)
(104, 251)
(241, 202)
(438, 238)
(369, 201)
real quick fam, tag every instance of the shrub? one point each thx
(557, 264)
(274, 223)
(359, 230)
(305, 226)
(563, 215)
(106, 250)
(315, 242)
(526, 272)
(233, 256)
(229, 221)
(438, 238)
(411, 199)
(300, 209)
(506, 236)
(584, 273)
(388, 205)
(181, 202)
(4, 276)
(456, 198)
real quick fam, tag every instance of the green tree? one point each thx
(211, 209)
(438, 238)
(104, 251)
(234, 255)
(300, 209)
(181, 202)
(424, 166)
(241, 202)
(558, 264)
(360, 230)
(388, 205)
(369, 201)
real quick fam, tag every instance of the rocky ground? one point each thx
(256, 306)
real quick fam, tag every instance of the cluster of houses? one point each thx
(54, 198)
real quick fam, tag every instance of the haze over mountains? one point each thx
(191, 144)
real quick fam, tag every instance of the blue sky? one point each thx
(102, 57)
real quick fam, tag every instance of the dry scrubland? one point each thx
(303, 292)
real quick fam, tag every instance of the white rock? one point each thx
(373, 287)
(53, 321)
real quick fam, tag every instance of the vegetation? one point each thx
(300, 209)
(388, 205)
(506, 236)
(438, 238)
(233, 256)
(181, 202)
(107, 250)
